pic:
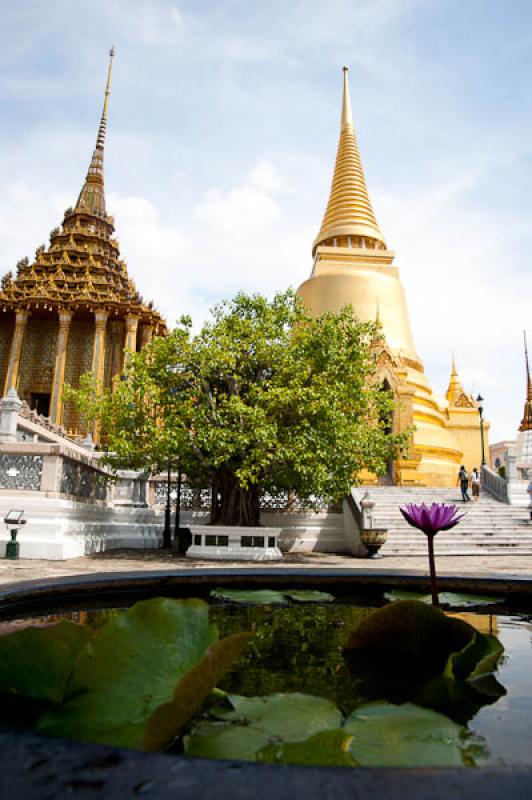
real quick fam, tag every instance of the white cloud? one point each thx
(244, 210)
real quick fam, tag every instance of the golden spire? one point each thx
(92, 198)
(454, 390)
(456, 394)
(349, 212)
(526, 422)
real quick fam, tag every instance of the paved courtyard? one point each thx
(138, 560)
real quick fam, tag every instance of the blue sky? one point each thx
(222, 131)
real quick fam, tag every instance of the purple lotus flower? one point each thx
(438, 517)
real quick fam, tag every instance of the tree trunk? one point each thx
(232, 504)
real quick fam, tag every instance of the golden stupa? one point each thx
(74, 309)
(352, 265)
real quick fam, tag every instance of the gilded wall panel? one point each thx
(78, 362)
(38, 357)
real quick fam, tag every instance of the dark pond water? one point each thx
(299, 649)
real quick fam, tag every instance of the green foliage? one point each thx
(262, 398)
(134, 682)
(271, 597)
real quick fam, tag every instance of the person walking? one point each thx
(463, 480)
(475, 483)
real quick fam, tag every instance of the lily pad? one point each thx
(270, 597)
(476, 660)
(192, 690)
(385, 735)
(447, 599)
(408, 638)
(309, 596)
(266, 597)
(325, 749)
(129, 669)
(252, 723)
(37, 661)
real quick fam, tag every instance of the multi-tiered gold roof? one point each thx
(81, 268)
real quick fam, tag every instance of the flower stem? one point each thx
(432, 568)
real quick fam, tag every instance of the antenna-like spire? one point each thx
(92, 198)
(100, 141)
(526, 422)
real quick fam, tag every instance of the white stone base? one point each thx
(59, 529)
(208, 543)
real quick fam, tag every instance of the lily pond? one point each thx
(296, 677)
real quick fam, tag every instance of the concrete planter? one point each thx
(226, 543)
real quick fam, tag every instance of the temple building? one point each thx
(353, 265)
(74, 309)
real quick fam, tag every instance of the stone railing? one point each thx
(196, 499)
(494, 484)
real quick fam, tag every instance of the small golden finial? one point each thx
(453, 365)
(347, 117)
(378, 308)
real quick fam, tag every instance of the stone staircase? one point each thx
(488, 528)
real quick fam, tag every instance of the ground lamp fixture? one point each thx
(480, 407)
(14, 519)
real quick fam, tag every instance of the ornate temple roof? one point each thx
(81, 268)
(456, 394)
(526, 422)
(349, 211)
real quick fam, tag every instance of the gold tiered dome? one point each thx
(81, 268)
(353, 266)
(349, 212)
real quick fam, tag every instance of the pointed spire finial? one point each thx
(526, 422)
(378, 309)
(528, 381)
(347, 116)
(349, 214)
(91, 198)
(100, 141)
(453, 365)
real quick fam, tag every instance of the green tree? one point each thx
(264, 397)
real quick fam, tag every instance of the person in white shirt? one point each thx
(475, 483)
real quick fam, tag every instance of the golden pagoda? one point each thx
(352, 265)
(74, 309)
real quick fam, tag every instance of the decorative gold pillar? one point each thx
(98, 359)
(13, 366)
(56, 401)
(146, 335)
(116, 337)
(98, 350)
(130, 345)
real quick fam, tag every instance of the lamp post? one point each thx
(177, 529)
(479, 402)
(167, 531)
